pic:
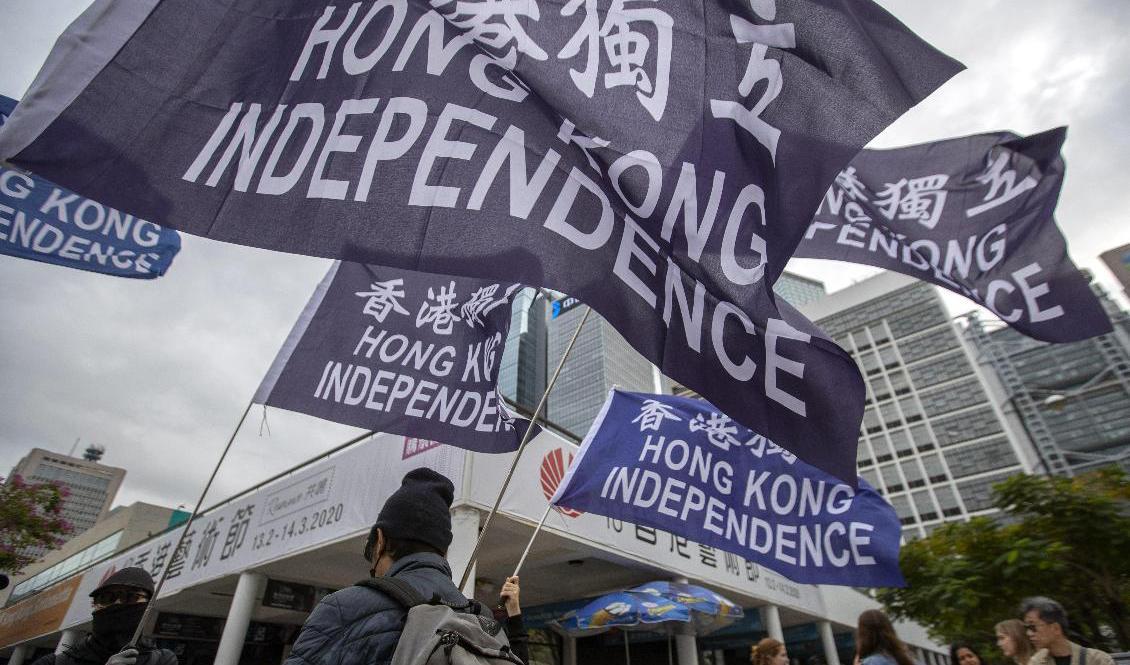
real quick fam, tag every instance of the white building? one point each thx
(936, 432)
(257, 562)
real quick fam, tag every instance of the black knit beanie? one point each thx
(420, 509)
(132, 577)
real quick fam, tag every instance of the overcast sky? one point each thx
(159, 371)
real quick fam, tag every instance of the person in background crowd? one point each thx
(963, 653)
(768, 652)
(119, 601)
(876, 642)
(360, 625)
(1013, 642)
(1045, 622)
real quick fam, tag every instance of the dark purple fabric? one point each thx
(544, 147)
(403, 352)
(973, 215)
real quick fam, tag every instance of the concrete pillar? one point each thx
(685, 644)
(686, 647)
(247, 595)
(570, 655)
(464, 533)
(19, 655)
(828, 640)
(68, 638)
(771, 619)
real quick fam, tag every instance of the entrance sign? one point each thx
(677, 464)
(402, 352)
(973, 215)
(594, 147)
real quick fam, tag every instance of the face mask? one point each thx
(116, 624)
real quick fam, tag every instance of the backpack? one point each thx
(438, 633)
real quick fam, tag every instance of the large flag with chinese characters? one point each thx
(401, 352)
(973, 215)
(43, 222)
(658, 161)
(677, 464)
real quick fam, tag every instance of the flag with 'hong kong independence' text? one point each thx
(660, 161)
(403, 352)
(973, 215)
(678, 464)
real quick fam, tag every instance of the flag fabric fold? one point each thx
(678, 464)
(402, 352)
(973, 215)
(658, 162)
(41, 221)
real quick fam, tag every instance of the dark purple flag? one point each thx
(404, 352)
(658, 161)
(973, 215)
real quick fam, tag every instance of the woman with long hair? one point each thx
(876, 642)
(1013, 641)
(963, 653)
(768, 652)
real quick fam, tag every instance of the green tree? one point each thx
(1067, 538)
(30, 516)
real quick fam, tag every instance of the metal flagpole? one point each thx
(184, 531)
(531, 543)
(521, 447)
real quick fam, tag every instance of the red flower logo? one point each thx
(553, 467)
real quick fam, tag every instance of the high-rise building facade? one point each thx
(933, 439)
(1074, 399)
(602, 358)
(798, 290)
(1118, 261)
(91, 486)
(521, 372)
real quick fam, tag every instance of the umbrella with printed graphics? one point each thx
(627, 610)
(709, 610)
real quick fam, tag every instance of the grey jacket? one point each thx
(360, 626)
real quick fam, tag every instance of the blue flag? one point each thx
(43, 222)
(677, 464)
(403, 352)
(658, 161)
(974, 215)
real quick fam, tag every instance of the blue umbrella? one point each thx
(625, 609)
(710, 610)
(629, 608)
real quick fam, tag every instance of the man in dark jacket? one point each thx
(118, 604)
(361, 626)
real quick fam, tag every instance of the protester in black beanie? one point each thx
(118, 602)
(361, 624)
(419, 510)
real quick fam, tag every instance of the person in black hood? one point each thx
(118, 604)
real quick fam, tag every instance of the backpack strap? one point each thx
(1082, 655)
(400, 591)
